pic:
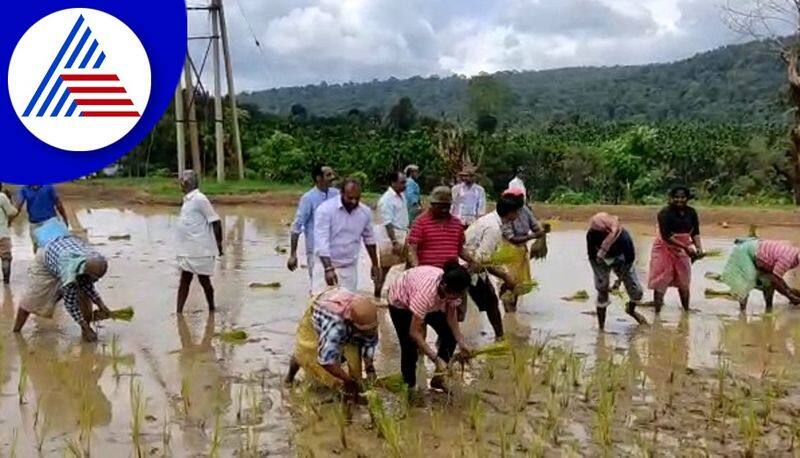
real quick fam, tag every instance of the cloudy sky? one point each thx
(308, 41)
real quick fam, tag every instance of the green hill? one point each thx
(740, 83)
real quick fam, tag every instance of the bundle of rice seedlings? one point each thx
(124, 314)
(713, 276)
(232, 336)
(494, 349)
(579, 296)
(273, 285)
(714, 294)
(505, 254)
(525, 287)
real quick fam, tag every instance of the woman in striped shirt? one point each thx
(761, 264)
(430, 296)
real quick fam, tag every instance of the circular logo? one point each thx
(79, 79)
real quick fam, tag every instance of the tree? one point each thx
(488, 97)
(403, 115)
(299, 112)
(773, 20)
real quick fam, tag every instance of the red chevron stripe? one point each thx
(97, 90)
(90, 77)
(104, 102)
(110, 114)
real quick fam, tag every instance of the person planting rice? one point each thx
(66, 268)
(437, 236)
(761, 264)
(199, 238)
(338, 326)
(676, 246)
(482, 240)
(393, 212)
(516, 235)
(428, 296)
(610, 249)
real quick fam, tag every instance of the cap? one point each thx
(441, 195)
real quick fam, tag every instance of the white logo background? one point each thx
(33, 56)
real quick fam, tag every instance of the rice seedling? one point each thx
(22, 383)
(604, 418)
(644, 447)
(505, 441)
(86, 423)
(339, 414)
(73, 448)
(166, 434)
(239, 407)
(185, 394)
(272, 285)
(12, 452)
(436, 421)
(537, 447)
(138, 406)
(574, 368)
(251, 442)
(749, 429)
(41, 433)
(387, 424)
(115, 355)
(216, 436)
(476, 414)
(715, 294)
(254, 403)
(578, 296)
(393, 383)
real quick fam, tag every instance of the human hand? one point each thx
(351, 387)
(330, 277)
(291, 264)
(371, 375)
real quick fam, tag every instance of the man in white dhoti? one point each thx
(199, 240)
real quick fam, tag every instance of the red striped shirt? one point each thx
(437, 241)
(777, 257)
(417, 290)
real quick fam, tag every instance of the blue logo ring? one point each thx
(161, 29)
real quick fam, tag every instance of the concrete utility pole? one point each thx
(180, 119)
(218, 38)
(191, 104)
(226, 52)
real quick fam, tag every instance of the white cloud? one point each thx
(307, 41)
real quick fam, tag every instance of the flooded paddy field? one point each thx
(710, 382)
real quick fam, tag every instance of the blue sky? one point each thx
(308, 41)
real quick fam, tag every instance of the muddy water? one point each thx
(201, 396)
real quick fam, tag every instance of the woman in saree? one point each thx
(676, 246)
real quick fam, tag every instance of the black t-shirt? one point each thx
(623, 246)
(673, 221)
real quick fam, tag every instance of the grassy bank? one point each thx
(168, 187)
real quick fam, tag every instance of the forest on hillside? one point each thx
(737, 83)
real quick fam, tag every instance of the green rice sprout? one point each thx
(12, 453)
(387, 424)
(749, 429)
(578, 296)
(476, 414)
(185, 394)
(166, 434)
(138, 406)
(22, 383)
(340, 420)
(216, 438)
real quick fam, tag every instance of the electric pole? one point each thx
(218, 39)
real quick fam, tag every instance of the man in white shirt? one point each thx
(469, 198)
(7, 212)
(199, 240)
(340, 226)
(518, 184)
(482, 239)
(393, 210)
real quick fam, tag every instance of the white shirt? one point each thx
(483, 237)
(195, 236)
(393, 210)
(338, 233)
(6, 211)
(517, 183)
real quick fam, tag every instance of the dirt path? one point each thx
(630, 213)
